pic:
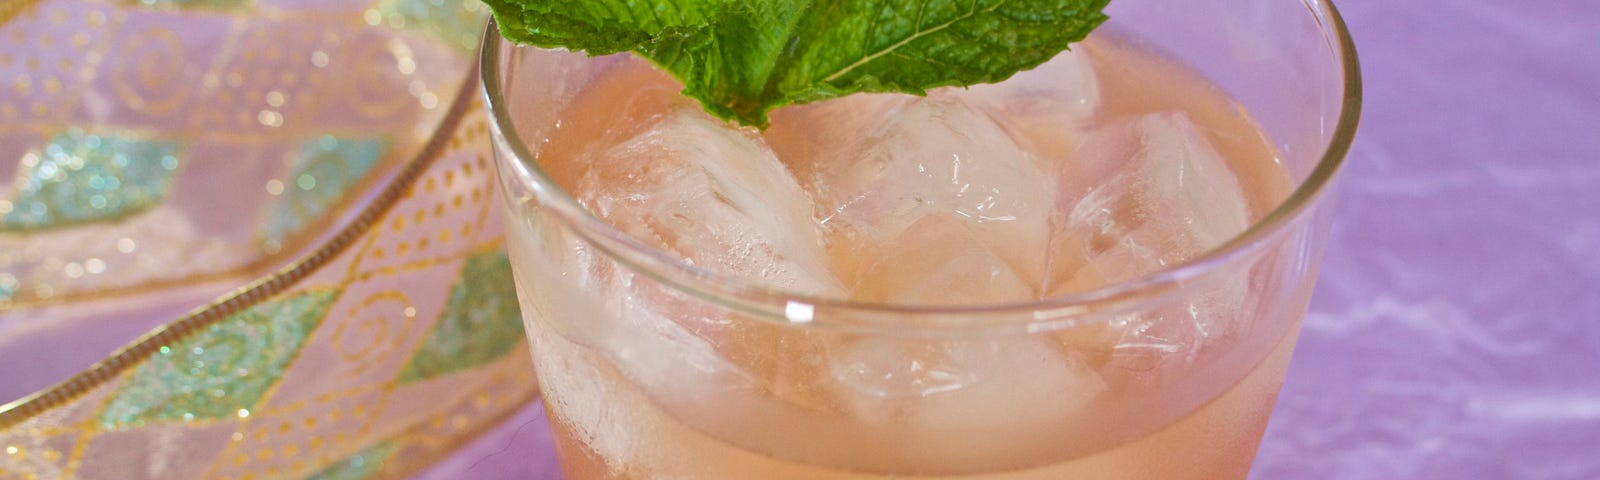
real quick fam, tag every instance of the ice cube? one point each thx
(939, 261)
(960, 405)
(935, 156)
(1168, 198)
(811, 135)
(1045, 108)
(937, 188)
(714, 195)
(1065, 88)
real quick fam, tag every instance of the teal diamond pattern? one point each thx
(324, 171)
(81, 177)
(457, 23)
(361, 466)
(480, 323)
(222, 370)
(8, 286)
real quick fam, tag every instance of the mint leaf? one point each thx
(744, 58)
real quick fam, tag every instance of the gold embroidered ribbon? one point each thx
(384, 331)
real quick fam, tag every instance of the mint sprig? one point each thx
(744, 58)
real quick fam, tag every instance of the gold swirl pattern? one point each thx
(348, 388)
(373, 352)
(239, 88)
(145, 86)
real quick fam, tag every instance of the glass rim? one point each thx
(803, 309)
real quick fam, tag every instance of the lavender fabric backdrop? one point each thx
(1455, 333)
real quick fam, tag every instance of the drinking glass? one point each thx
(654, 368)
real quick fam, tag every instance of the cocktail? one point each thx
(1093, 269)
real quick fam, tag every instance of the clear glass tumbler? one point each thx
(652, 368)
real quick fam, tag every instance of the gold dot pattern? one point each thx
(278, 438)
(268, 82)
(338, 396)
(444, 225)
(233, 86)
(36, 88)
(501, 394)
(34, 457)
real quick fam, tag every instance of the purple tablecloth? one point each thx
(1455, 333)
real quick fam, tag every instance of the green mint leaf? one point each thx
(744, 58)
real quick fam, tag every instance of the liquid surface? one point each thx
(1103, 165)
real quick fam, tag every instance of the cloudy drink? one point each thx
(1104, 165)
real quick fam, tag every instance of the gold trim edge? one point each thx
(15, 412)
